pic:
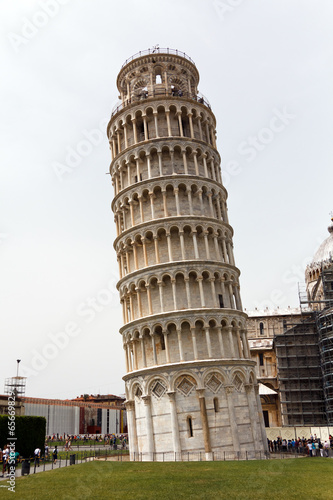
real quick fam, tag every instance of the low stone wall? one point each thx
(298, 432)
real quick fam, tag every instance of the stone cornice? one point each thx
(179, 266)
(166, 221)
(183, 365)
(158, 140)
(181, 315)
(186, 178)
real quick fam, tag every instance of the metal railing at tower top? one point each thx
(145, 94)
(158, 50)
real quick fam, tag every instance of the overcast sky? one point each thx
(266, 68)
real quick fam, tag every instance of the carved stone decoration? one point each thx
(214, 383)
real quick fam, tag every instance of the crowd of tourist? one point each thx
(72, 439)
(313, 446)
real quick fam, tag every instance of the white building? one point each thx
(190, 384)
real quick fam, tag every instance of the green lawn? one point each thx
(310, 478)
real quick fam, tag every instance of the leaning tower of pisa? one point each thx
(190, 384)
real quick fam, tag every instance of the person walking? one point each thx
(55, 454)
(37, 456)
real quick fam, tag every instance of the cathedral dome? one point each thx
(325, 251)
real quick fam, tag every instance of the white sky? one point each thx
(256, 58)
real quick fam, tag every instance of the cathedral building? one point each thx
(191, 383)
(293, 350)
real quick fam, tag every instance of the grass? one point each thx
(252, 480)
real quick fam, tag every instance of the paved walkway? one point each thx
(44, 467)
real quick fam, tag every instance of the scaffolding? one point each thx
(299, 373)
(324, 323)
(15, 386)
(304, 354)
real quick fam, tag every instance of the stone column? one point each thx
(202, 296)
(231, 342)
(152, 196)
(143, 350)
(205, 426)
(126, 358)
(191, 124)
(135, 355)
(173, 284)
(129, 357)
(164, 203)
(176, 191)
(128, 168)
(145, 257)
(217, 250)
(214, 295)
(166, 342)
(169, 246)
(230, 254)
(156, 124)
(231, 296)
(145, 128)
(245, 344)
(196, 166)
(194, 343)
(229, 390)
(182, 244)
(167, 113)
(135, 255)
(226, 300)
(252, 415)
(209, 345)
(132, 434)
(185, 163)
(210, 196)
(141, 209)
(225, 253)
(132, 212)
(160, 289)
(189, 197)
(172, 158)
(195, 244)
(212, 166)
(261, 417)
(180, 344)
(200, 128)
(118, 141)
(201, 201)
(159, 154)
(188, 293)
(204, 156)
(219, 333)
(205, 233)
(154, 348)
(138, 295)
(240, 349)
(181, 132)
(149, 457)
(174, 424)
(125, 135)
(148, 166)
(150, 306)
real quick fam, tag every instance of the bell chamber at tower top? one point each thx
(162, 73)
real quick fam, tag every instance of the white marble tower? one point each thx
(190, 383)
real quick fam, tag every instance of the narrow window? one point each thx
(216, 405)
(261, 327)
(221, 301)
(190, 426)
(261, 359)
